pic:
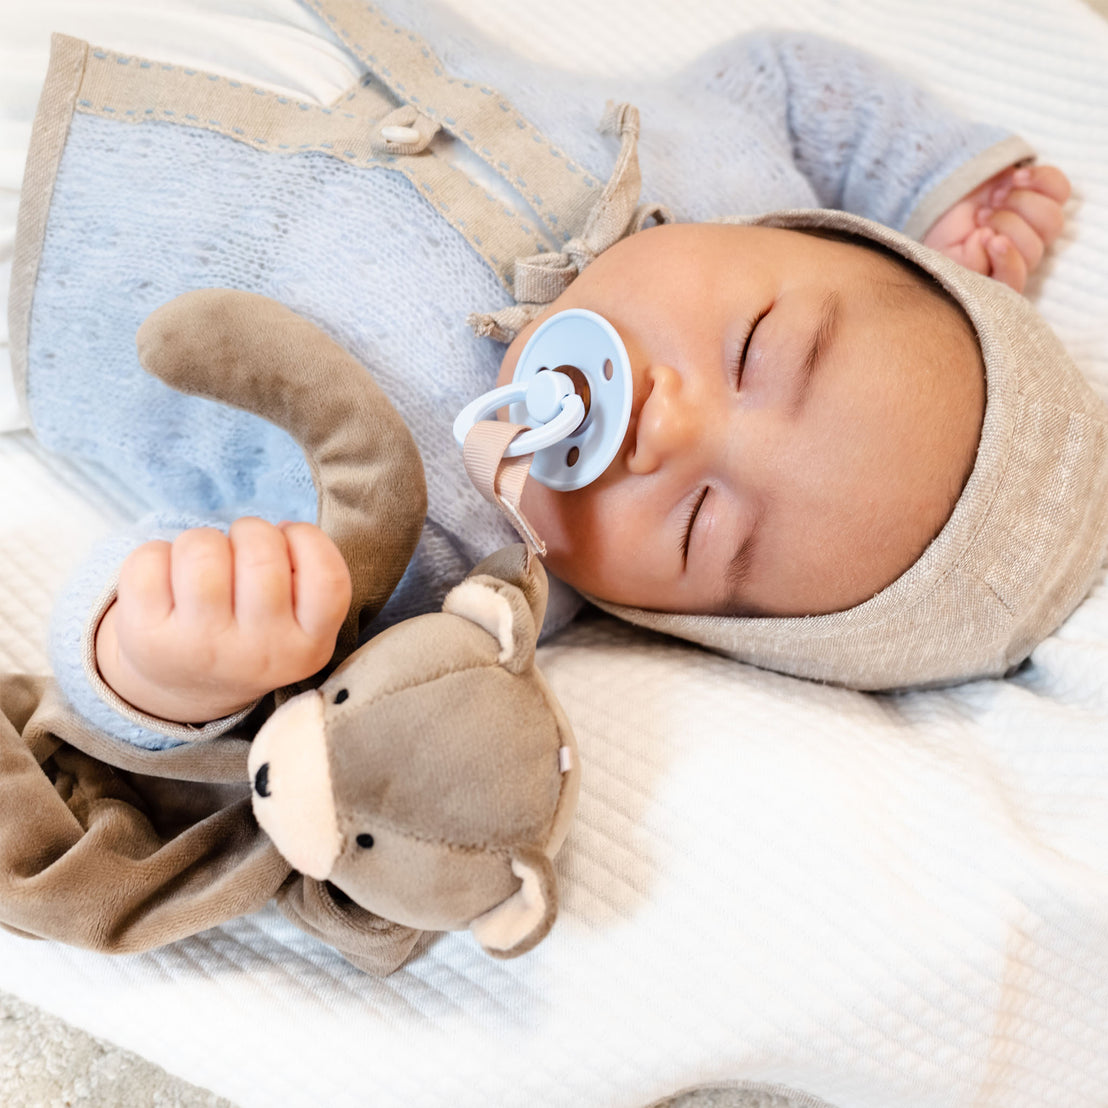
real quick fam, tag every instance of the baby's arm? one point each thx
(94, 591)
(867, 139)
(1005, 225)
(203, 626)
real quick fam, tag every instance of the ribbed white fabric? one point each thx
(889, 902)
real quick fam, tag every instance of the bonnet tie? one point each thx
(541, 278)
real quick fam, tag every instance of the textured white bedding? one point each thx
(882, 901)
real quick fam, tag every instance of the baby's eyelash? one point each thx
(740, 361)
(690, 519)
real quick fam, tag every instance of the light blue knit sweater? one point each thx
(143, 212)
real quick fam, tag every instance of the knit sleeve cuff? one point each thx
(182, 732)
(1008, 152)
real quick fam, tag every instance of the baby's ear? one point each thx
(522, 921)
(503, 611)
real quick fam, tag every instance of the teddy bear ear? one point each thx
(502, 610)
(519, 923)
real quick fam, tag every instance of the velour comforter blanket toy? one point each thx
(443, 770)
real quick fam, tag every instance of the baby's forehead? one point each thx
(747, 241)
(894, 280)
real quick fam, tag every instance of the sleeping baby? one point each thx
(855, 453)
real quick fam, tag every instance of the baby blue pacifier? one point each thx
(572, 386)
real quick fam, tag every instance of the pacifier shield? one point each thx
(579, 344)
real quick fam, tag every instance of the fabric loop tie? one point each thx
(403, 131)
(650, 213)
(541, 278)
(504, 325)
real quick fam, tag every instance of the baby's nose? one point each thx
(669, 423)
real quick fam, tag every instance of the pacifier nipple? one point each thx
(573, 387)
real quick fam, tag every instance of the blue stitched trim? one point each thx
(351, 155)
(385, 72)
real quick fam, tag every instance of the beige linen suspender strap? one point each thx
(364, 127)
(498, 479)
(388, 119)
(561, 192)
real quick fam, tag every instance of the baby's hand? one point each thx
(1004, 226)
(205, 625)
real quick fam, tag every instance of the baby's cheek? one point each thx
(581, 537)
(551, 515)
(605, 542)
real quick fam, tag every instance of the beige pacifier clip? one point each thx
(501, 480)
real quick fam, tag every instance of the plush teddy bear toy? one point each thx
(424, 785)
(430, 777)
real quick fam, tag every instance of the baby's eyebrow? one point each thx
(821, 341)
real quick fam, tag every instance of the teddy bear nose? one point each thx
(261, 780)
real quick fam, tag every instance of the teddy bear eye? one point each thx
(364, 839)
(341, 695)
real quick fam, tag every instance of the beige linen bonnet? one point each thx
(1017, 554)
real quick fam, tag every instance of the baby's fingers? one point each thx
(1008, 264)
(1047, 179)
(201, 578)
(1022, 236)
(321, 589)
(1040, 212)
(972, 253)
(262, 575)
(145, 590)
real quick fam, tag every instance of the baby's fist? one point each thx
(206, 624)
(1003, 227)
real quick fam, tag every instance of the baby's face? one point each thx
(804, 418)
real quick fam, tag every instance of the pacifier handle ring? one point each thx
(476, 411)
(531, 441)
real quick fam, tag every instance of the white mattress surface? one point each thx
(884, 901)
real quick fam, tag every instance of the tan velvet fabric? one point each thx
(120, 849)
(120, 861)
(364, 462)
(112, 859)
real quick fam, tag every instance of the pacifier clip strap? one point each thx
(498, 479)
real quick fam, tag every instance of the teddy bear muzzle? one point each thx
(292, 794)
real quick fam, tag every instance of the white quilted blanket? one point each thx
(884, 902)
